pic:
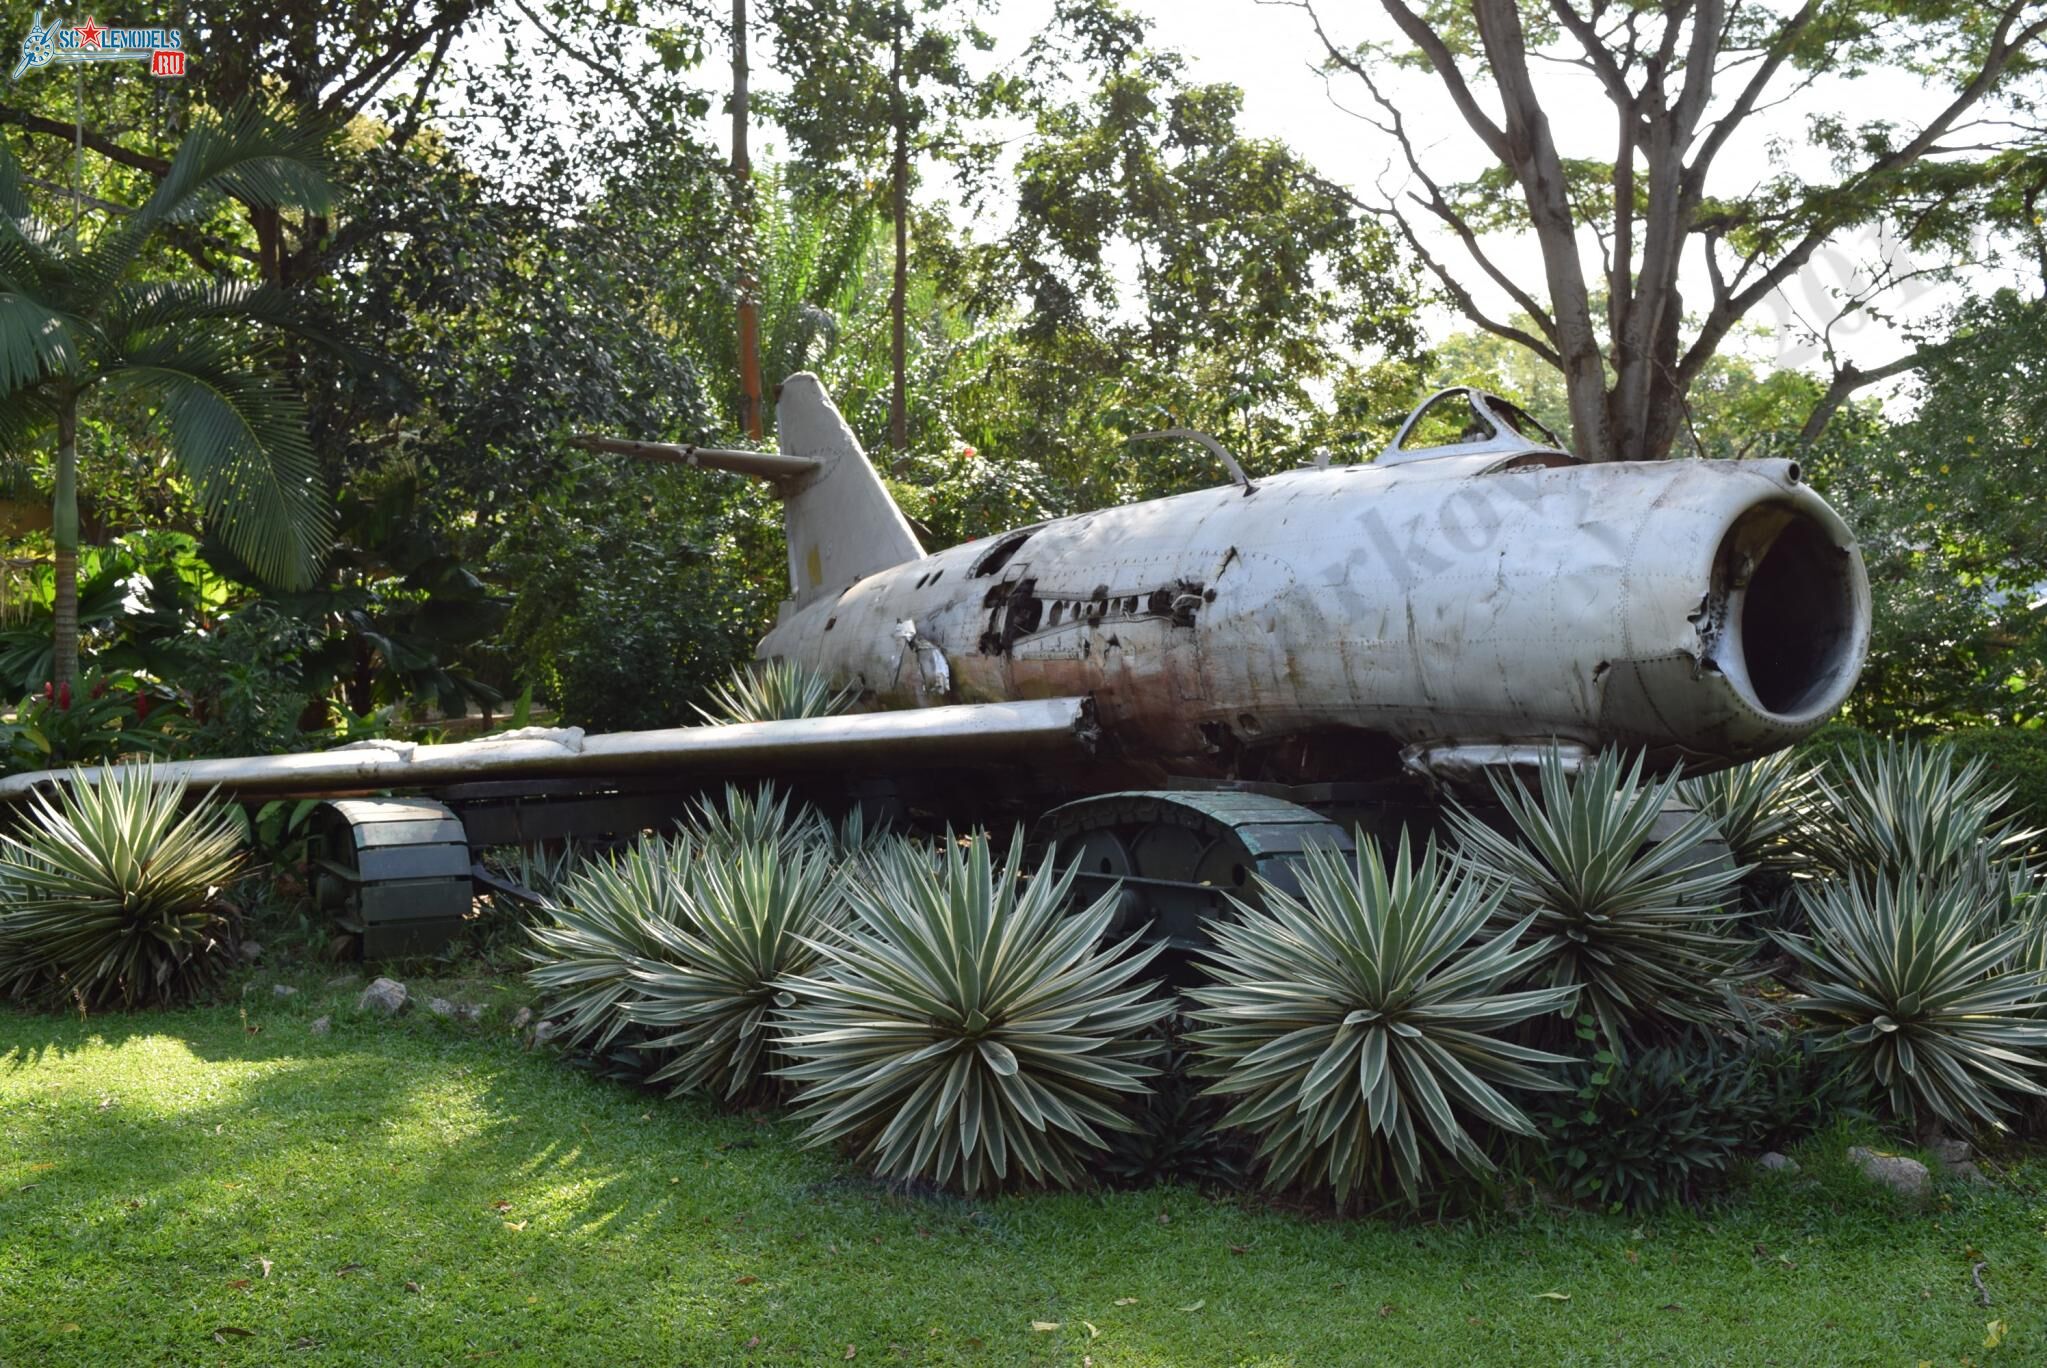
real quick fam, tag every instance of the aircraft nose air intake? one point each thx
(1786, 619)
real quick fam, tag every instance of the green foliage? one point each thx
(966, 1027)
(1945, 507)
(108, 893)
(1255, 295)
(253, 694)
(2012, 758)
(98, 720)
(1638, 925)
(1833, 742)
(1178, 1135)
(1670, 1121)
(1904, 810)
(1917, 984)
(774, 691)
(638, 596)
(752, 920)
(1357, 1028)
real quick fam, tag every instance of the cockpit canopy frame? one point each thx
(1492, 425)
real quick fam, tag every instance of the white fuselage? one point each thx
(1442, 611)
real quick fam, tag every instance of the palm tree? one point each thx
(74, 320)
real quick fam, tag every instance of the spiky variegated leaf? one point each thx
(106, 892)
(1764, 810)
(965, 1027)
(775, 691)
(760, 816)
(1903, 809)
(718, 972)
(1639, 924)
(1357, 1027)
(1929, 997)
(604, 922)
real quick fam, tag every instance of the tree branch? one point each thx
(1445, 63)
(1439, 205)
(1777, 51)
(97, 141)
(1727, 309)
(1849, 379)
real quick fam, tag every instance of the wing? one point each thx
(956, 737)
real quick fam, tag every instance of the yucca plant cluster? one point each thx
(1567, 987)
(109, 893)
(1924, 962)
(952, 1018)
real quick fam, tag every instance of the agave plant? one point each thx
(109, 891)
(1926, 994)
(754, 817)
(966, 1028)
(717, 974)
(1902, 809)
(607, 918)
(1764, 810)
(1639, 923)
(1357, 1027)
(775, 691)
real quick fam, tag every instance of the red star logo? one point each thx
(89, 34)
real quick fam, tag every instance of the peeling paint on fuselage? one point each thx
(1438, 603)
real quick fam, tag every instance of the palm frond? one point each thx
(251, 153)
(242, 438)
(37, 341)
(135, 311)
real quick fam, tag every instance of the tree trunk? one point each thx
(750, 420)
(898, 402)
(64, 532)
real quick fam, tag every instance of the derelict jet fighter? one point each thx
(1185, 691)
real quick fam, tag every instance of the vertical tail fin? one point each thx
(842, 524)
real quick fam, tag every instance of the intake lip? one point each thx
(1787, 618)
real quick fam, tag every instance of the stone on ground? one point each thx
(1778, 1163)
(383, 995)
(321, 1025)
(282, 990)
(1907, 1177)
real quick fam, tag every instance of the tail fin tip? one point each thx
(841, 522)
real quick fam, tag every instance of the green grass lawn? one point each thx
(200, 1187)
